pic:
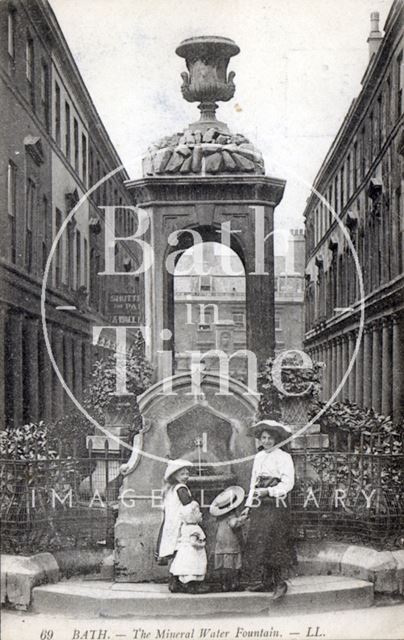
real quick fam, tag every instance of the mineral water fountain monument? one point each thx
(205, 179)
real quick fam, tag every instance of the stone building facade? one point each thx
(54, 148)
(210, 310)
(361, 180)
(289, 294)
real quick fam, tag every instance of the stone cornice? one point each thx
(383, 302)
(360, 105)
(241, 189)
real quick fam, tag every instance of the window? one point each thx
(278, 323)
(29, 69)
(330, 215)
(12, 207)
(388, 104)
(336, 194)
(78, 259)
(44, 231)
(238, 319)
(45, 94)
(57, 113)
(205, 284)
(341, 189)
(399, 85)
(207, 324)
(67, 130)
(379, 123)
(400, 231)
(125, 223)
(348, 176)
(363, 152)
(355, 166)
(11, 32)
(29, 59)
(85, 262)
(98, 178)
(29, 222)
(84, 158)
(104, 189)
(69, 265)
(333, 300)
(371, 137)
(76, 143)
(59, 250)
(90, 168)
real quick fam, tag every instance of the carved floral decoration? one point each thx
(195, 152)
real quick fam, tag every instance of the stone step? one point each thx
(102, 598)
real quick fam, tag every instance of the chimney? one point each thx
(375, 36)
(295, 261)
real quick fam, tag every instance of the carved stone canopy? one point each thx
(72, 198)
(374, 189)
(207, 82)
(33, 145)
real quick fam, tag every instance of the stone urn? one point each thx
(295, 410)
(207, 80)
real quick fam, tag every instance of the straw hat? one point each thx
(226, 501)
(272, 426)
(174, 466)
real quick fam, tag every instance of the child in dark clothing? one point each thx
(228, 559)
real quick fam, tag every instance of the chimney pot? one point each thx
(374, 21)
(375, 36)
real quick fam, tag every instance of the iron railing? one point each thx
(57, 499)
(351, 490)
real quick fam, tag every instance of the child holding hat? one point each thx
(228, 536)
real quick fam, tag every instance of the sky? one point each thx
(300, 67)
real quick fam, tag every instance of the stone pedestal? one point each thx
(295, 414)
(105, 478)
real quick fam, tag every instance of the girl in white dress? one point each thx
(190, 560)
(176, 493)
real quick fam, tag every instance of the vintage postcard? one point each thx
(202, 319)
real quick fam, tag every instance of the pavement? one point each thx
(374, 623)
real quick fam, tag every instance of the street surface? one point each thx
(375, 623)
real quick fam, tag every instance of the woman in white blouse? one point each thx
(269, 544)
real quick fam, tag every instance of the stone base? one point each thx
(318, 593)
(19, 575)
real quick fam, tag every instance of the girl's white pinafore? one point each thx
(172, 521)
(190, 563)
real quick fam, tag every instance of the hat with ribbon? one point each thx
(226, 501)
(281, 431)
(174, 466)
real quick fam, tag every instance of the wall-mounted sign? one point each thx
(124, 308)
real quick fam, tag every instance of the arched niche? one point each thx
(165, 417)
(185, 242)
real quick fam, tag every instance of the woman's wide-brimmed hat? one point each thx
(281, 431)
(226, 501)
(175, 465)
